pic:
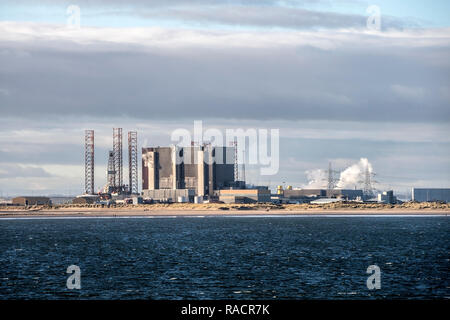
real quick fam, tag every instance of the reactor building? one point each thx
(430, 194)
(183, 173)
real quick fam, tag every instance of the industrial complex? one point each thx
(204, 173)
(196, 171)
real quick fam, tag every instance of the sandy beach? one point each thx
(227, 210)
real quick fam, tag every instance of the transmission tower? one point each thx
(243, 166)
(89, 161)
(118, 158)
(236, 163)
(133, 162)
(331, 183)
(368, 189)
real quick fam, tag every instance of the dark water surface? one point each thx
(225, 257)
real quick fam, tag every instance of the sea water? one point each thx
(225, 257)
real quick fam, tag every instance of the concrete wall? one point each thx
(157, 168)
(165, 168)
(192, 174)
(201, 172)
(224, 167)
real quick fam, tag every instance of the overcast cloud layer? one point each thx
(158, 73)
(337, 93)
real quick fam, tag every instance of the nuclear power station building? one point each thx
(172, 173)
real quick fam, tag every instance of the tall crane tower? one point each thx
(118, 158)
(133, 162)
(236, 163)
(111, 173)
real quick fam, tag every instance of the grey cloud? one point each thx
(168, 3)
(271, 17)
(15, 171)
(400, 165)
(46, 154)
(253, 13)
(101, 81)
(237, 82)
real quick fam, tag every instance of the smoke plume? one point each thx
(354, 175)
(317, 179)
(351, 177)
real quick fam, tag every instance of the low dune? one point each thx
(228, 209)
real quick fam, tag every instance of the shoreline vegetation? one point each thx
(190, 209)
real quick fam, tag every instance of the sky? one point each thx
(337, 89)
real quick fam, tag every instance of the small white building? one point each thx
(326, 200)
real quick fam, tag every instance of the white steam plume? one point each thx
(354, 175)
(349, 178)
(317, 179)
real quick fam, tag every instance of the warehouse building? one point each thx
(31, 201)
(347, 194)
(430, 194)
(202, 169)
(306, 195)
(245, 195)
(303, 193)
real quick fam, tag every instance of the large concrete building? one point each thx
(430, 194)
(203, 169)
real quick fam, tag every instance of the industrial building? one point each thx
(170, 195)
(303, 193)
(387, 197)
(290, 195)
(203, 169)
(31, 201)
(430, 194)
(245, 195)
(326, 201)
(347, 194)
